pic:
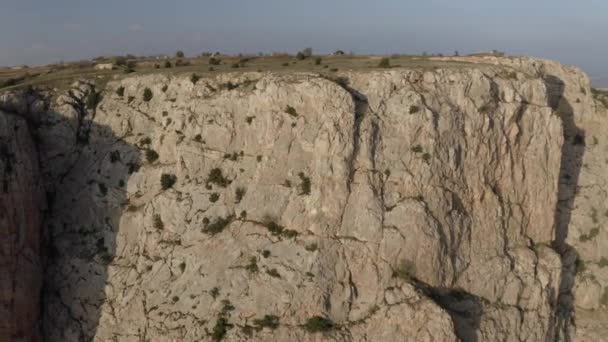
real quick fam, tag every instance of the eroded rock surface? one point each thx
(422, 205)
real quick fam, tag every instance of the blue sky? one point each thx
(46, 31)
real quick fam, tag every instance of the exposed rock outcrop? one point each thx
(422, 205)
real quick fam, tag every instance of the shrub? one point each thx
(194, 78)
(291, 111)
(426, 157)
(239, 194)
(312, 247)
(384, 63)
(405, 270)
(300, 56)
(603, 262)
(249, 119)
(148, 95)
(218, 225)
(285, 64)
(179, 54)
(157, 222)
(414, 109)
(252, 267)
(216, 177)
(120, 91)
(273, 273)
(151, 155)
(269, 321)
(318, 60)
(333, 69)
(130, 99)
(214, 197)
(417, 149)
(305, 185)
(318, 324)
(273, 227)
(220, 329)
(265, 253)
(215, 292)
(198, 138)
(214, 61)
(167, 181)
(168, 64)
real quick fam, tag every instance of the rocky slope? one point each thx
(465, 202)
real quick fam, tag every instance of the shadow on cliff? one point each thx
(86, 168)
(573, 150)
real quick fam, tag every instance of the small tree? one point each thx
(300, 56)
(179, 54)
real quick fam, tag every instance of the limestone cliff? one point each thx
(464, 202)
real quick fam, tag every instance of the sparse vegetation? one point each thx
(312, 247)
(265, 253)
(239, 194)
(252, 267)
(590, 236)
(167, 181)
(269, 321)
(157, 222)
(414, 109)
(218, 225)
(215, 292)
(405, 270)
(216, 177)
(417, 149)
(249, 119)
(318, 60)
(291, 111)
(120, 91)
(151, 156)
(305, 184)
(318, 324)
(220, 329)
(214, 197)
(147, 95)
(215, 61)
(603, 262)
(273, 273)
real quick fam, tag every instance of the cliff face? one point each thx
(457, 203)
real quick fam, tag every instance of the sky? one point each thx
(35, 32)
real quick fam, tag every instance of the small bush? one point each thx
(588, 237)
(318, 324)
(265, 253)
(194, 78)
(300, 56)
(179, 54)
(214, 197)
(426, 157)
(252, 267)
(305, 185)
(414, 109)
(120, 91)
(215, 61)
(220, 329)
(151, 156)
(269, 321)
(147, 95)
(249, 119)
(603, 263)
(216, 177)
(417, 149)
(333, 69)
(167, 181)
(146, 141)
(215, 292)
(291, 111)
(312, 247)
(405, 270)
(384, 63)
(239, 194)
(273, 227)
(157, 222)
(318, 60)
(273, 273)
(218, 225)
(168, 64)
(285, 64)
